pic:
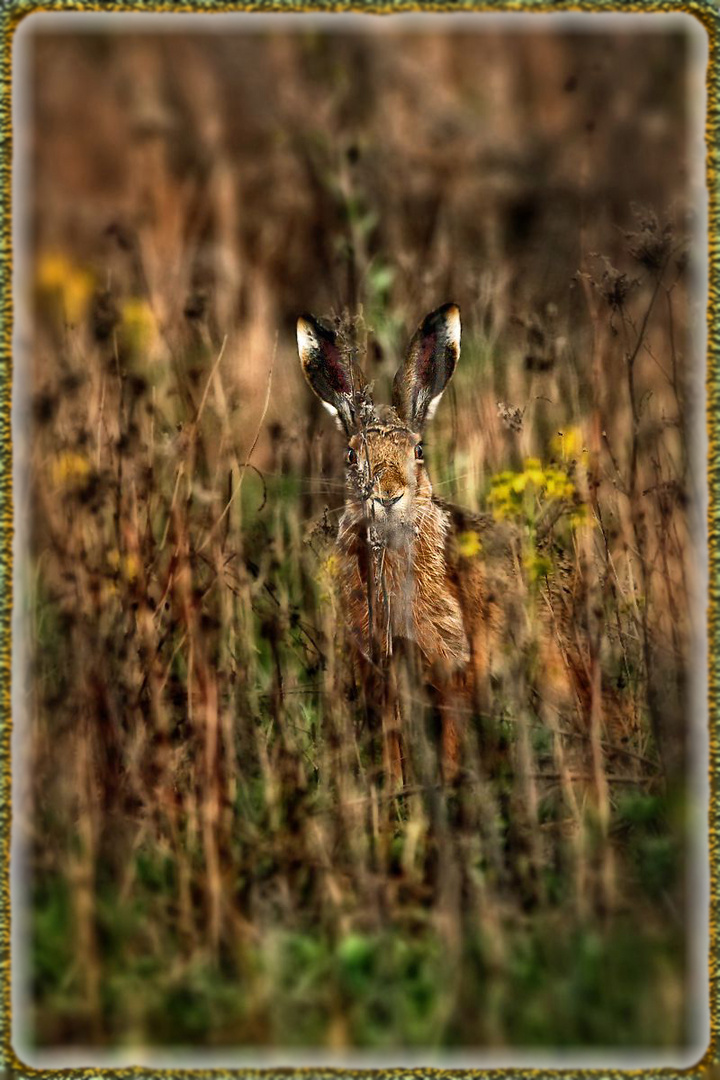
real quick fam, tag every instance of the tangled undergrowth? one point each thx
(215, 855)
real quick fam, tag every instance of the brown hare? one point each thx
(401, 576)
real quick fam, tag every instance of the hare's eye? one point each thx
(351, 456)
(419, 454)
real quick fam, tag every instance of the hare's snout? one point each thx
(388, 489)
(387, 501)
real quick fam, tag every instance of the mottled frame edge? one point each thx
(12, 12)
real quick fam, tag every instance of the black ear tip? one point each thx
(310, 327)
(445, 317)
(449, 313)
(306, 321)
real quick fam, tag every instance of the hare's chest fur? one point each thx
(406, 583)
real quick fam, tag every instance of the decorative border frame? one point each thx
(707, 12)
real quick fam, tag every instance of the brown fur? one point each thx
(415, 599)
(402, 575)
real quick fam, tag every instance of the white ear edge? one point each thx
(452, 323)
(453, 329)
(334, 413)
(432, 408)
(305, 337)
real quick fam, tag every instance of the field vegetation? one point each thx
(216, 857)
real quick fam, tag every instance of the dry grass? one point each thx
(216, 856)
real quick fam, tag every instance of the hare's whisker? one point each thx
(453, 479)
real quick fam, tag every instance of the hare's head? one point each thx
(387, 480)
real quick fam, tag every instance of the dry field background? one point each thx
(215, 856)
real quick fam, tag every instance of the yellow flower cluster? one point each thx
(537, 566)
(331, 566)
(61, 281)
(567, 445)
(127, 565)
(69, 468)
(469, 544)
(137, 325)
(509, 490)
(579, 516)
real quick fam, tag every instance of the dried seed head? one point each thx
(650, 244)
(510, 415)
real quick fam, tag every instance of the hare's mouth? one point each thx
(386, 502)
(388, 509)
(388, 521)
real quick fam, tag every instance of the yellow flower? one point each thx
(52, 271)
(579, 516)
(137, 325)
(502, 478)
(507, 495)
(499, 493)
(77, 295)
(330, 566)
(68, 468)
(57, 277)
(128, 565)
(534, 471)
(537, 566)
(558, 485)
(567, 444)
(469, 544)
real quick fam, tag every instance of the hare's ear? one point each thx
(334, 380)
(431, 358)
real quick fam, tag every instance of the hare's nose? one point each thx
(388, 500)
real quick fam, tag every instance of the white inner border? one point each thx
(698, 1004)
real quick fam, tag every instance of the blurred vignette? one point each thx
(215, 852)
